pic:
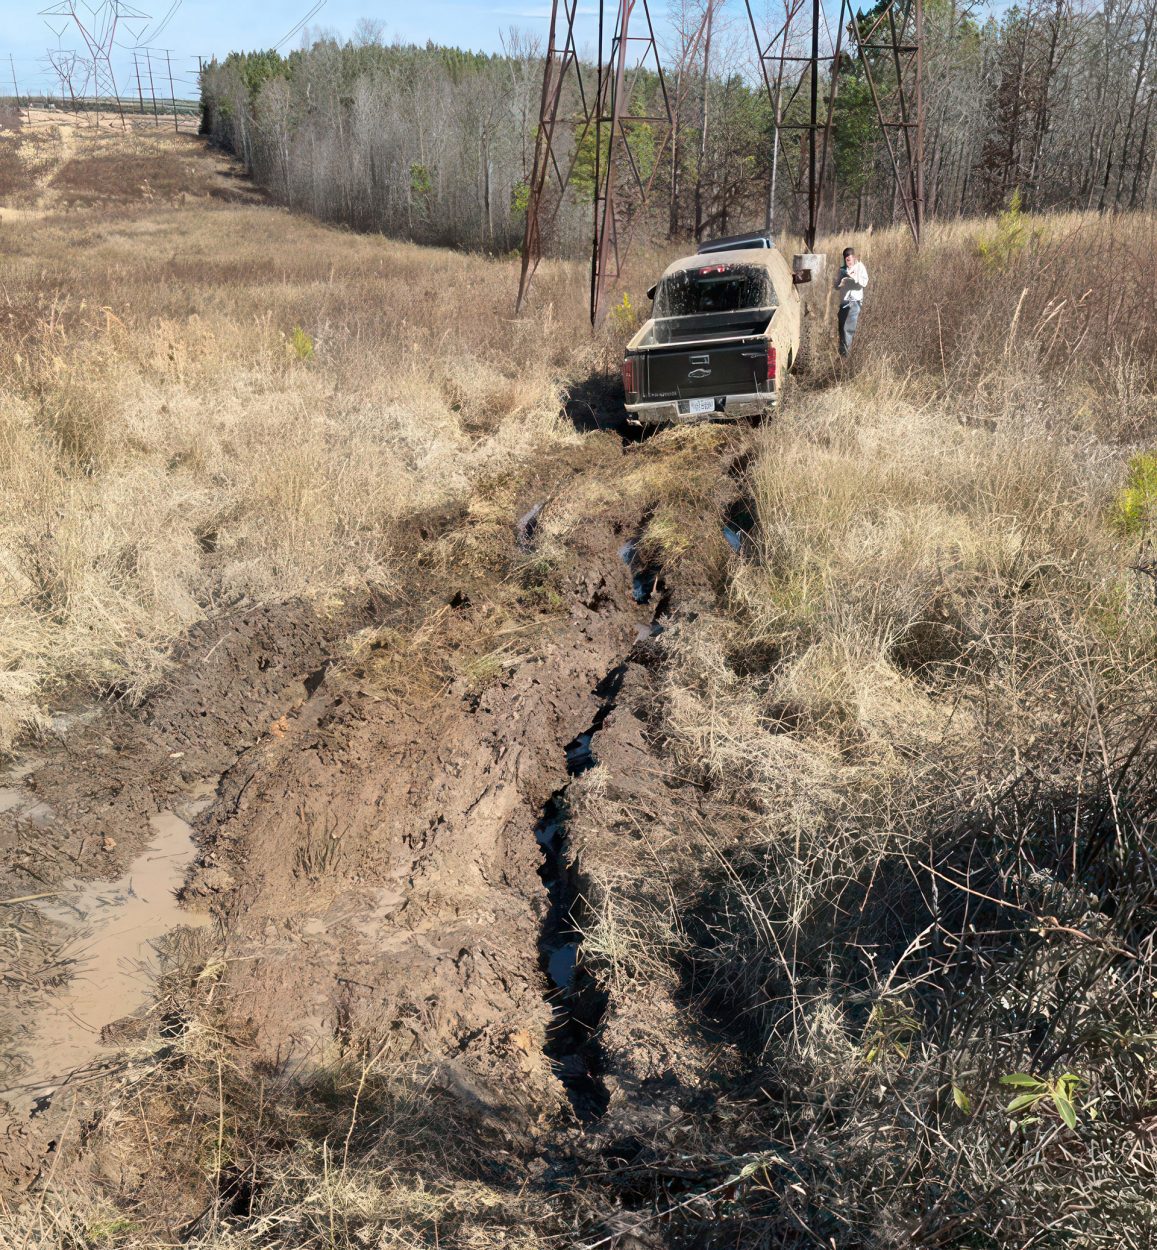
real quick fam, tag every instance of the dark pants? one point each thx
(849, 315)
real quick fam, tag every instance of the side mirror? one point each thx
(651, 291)
(801, 276)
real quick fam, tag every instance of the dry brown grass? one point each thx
(1056, 321)
(213, 404)
(925, 714)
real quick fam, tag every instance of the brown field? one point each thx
(308, 540)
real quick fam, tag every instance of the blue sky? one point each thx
(207, 27)
(217, 27)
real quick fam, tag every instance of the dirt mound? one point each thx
(235, 675)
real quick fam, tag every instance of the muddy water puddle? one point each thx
(740, 527)
(109, 932)
(643, 576)
(13, 796)
(577, 1004)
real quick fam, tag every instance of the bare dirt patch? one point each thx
(62, 161)
(393, 882)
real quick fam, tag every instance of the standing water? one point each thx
(577, 1004)
(111, 930)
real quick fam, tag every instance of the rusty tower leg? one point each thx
(890, 54)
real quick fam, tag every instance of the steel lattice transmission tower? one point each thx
(98, 25)
(891, 52)
(803, 57)
(888, 47)
(64, 65)
(605, 113)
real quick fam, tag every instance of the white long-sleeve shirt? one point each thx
(852, 284)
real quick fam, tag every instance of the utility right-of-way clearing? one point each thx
(715, 837)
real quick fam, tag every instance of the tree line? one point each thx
(1051, 100)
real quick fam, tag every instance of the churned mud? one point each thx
(377, 867)
(381, 821)
(96, 839)
(578, 1005)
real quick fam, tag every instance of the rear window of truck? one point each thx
(714, 289)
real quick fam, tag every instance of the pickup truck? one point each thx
(725, 328)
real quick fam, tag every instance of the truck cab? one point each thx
(724, 330)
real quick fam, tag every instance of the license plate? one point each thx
(700, 405)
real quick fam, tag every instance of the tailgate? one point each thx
(735, 368)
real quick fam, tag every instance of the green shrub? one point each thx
(1136, 508)
(623, 316)
(108, 1232)
(301, 344)
(1012, 236)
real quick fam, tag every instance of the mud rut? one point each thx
(577, 1004)
(376, 866)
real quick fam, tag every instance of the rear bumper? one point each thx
(735, 408)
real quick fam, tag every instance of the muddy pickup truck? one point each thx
(724, 329)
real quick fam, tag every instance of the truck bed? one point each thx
(676, 361)
(723, 327)
(708, 328)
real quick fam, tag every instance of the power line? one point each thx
(307, 18)
(153, 35)
(172, 89)
(152, 89)
(16, 89)
(99, 33)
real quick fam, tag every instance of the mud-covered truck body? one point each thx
(724, 330)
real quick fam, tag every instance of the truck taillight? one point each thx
(629, 375)
(771, 362)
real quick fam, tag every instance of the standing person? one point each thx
(851, 282)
